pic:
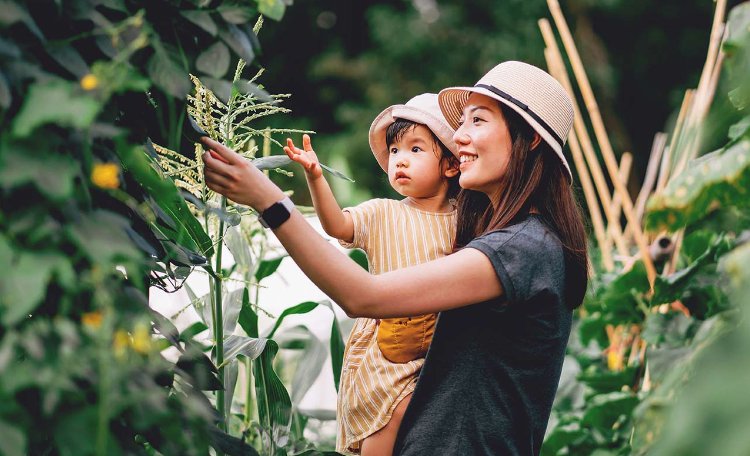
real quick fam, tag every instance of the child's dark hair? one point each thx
(400, 127)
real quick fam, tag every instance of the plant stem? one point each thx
(219, 323)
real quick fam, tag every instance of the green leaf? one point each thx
(274, 403)
(60, 102)
(606, 381)
(336, 346)
(268, 267)
(249, 347)
(12, 440)
(301, 308)
(360, 257)
(193, 330)
(619, 301)
(310, 361)
(239, 248)
(201, 372)
(272, 9)
(719, 179)
(271, 162)
(338, 174)
(166, 73)
(102, 236)
(236, 14)
(248, 318)
(236, 39)
(24, 283)
(214, 61)
(202, 19)
(605, 409)
(187, 231)
(53, 175)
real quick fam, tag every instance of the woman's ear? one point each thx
(535, 142)
(452, 167)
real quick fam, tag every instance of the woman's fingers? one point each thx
(227, 155)
(216, 165)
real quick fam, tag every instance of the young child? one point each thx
(414, 146)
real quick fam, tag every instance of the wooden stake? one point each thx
(626, 163)
(601, 135)
(585, 141)
(583, 175)
(654, 160)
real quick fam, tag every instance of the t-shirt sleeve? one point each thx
(363, 216)
(527, 262)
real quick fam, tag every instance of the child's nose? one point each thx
(402, 161)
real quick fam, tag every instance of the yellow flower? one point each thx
(106, 175)
(89, 82)
(141, 339)
(120, 342)
(92, 319)
(615, 360)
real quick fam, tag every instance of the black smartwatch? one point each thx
(276, 214)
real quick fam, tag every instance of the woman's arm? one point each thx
(334, 221)
(464, 278)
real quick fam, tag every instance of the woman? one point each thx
(505, 296)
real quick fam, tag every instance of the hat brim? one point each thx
(387, 117)
(453, 99)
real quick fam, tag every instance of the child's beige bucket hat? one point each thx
(423, 109)
(526, 89)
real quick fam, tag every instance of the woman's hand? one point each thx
(228, 173)
(305, 156)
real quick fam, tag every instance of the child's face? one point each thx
(414, 164)
(484, 144)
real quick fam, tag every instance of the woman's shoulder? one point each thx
(532, 231)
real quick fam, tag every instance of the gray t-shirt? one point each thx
(492, 370)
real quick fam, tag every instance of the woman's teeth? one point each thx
(467, 158)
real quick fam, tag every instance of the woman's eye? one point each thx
(475, 119)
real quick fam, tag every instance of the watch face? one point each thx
(276, 214)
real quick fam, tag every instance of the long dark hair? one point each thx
(534, 178)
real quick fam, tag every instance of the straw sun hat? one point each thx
(423, 109)
(526, 89)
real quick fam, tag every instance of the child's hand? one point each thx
(306, 157)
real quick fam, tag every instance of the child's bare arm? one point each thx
(335, 222)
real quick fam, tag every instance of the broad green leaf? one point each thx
(214, 61)
(336, 346)
(53, 175)
(24, 282)
(248, 347)
(193, 330)
(239, 248)
(561, 437)
(236, 39)
(271, 162)
(719, 179)
(188, 232)
(170, 76)
(236, 14)
(605, 381)
(231, 306)
(605, 409)
(619, 301)
(310, 362)
(56, 101)
(274, 403)
(202, 373)
(102, 236)
(268, 267)
(12, 440)
(301, 308)
(202, 19)
(272, 9)
(248, 319)
(360, 257)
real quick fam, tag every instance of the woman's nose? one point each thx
(459, 137)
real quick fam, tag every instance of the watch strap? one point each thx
(276, 214)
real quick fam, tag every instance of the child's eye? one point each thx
(394, 150)
(416, 149)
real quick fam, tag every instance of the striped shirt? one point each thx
(394, 235)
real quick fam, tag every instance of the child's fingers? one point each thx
(306, 143)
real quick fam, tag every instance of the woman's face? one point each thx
(484, 144)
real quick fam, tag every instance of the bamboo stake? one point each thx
(657, 149)
(585, 141)
(601, 135)
(589, 191)
(666, 166)
(626, 163)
